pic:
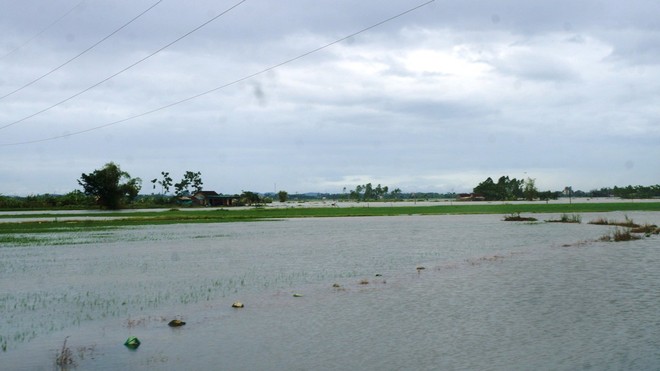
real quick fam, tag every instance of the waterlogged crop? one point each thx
(66, 279)
(20, 240)
(566, 218)
(59, 275)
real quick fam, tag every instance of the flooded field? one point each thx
(336, 294)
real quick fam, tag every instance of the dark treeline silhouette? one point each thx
(627, 192)
(506, 189)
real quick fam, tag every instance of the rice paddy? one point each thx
(61, 278)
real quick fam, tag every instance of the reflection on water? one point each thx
(494, 295)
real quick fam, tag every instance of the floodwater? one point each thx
(493, 295)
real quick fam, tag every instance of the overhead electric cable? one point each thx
(83, 52)
(124, 69)
(225, 85)
(42, 31)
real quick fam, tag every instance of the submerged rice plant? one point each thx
(629, 223)
(647, 229)
(64, 357)
(619, 235)
(566, 218)
(515, 217)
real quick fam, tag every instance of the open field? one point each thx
(52, 222)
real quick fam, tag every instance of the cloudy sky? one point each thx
(290, 95)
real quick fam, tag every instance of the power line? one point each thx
(124, 69)
(81, 53)
(225, 85)
(42, 31)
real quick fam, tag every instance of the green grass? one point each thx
(123, 219)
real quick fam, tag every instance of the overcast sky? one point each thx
(438, 99)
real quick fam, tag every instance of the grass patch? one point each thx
(628, 223)
(128, 219)
(19, 240)
(647, 229)
(619, 235)
(515, 217)
(566, 218)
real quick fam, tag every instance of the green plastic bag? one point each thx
(132, 342)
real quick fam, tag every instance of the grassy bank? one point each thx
(122, 219)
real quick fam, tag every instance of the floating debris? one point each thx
(420, 268)
(237, 304)
(176, 323)
(296, 295)
(132, 342)
(336, 285)
(379, 275)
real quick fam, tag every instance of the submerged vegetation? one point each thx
(619, 235)
(629, 223)
(647, 229)
(64, 357)
(566, 218)
(626, 230)
(93, 304)
(515, 217)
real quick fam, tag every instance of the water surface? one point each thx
(493, 295)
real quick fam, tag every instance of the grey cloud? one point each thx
(560, 89)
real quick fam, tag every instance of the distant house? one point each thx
(470, 197)
(212, 198)
(184, 200)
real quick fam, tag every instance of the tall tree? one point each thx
(368, 192)
(110, 186)
(488, 189)
(250, 198)
(190, 179)
(165, 183)
(530, 191)
(504, 189)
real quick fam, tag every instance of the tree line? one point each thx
(112, 188)
(627, 192)
(367, 192)
(506, 189)
(510, 189)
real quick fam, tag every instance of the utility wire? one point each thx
(42, 31)
(225, 85)
(81, 53)
(124, 69)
